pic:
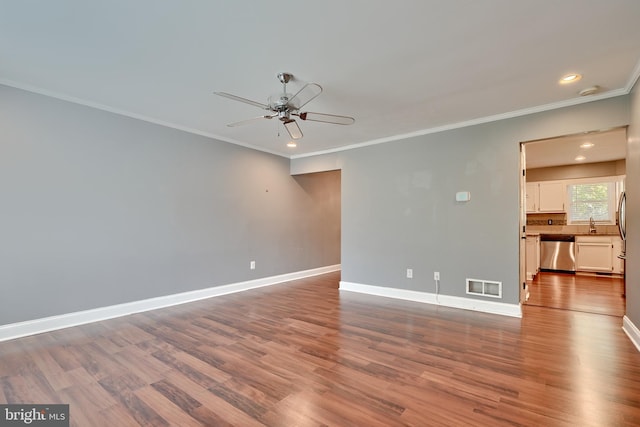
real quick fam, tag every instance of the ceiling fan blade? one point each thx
(293, 129)
(326, 118)
(245, 122)
(246, 101)
(304, 95)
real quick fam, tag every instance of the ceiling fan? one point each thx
(284, 105)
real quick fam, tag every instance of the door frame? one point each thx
(524, 288)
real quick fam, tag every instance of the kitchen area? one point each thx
(574, 201)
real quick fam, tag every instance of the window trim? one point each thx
(618, 186)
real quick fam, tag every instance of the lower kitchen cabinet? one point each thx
(597, 254)
(532, 252)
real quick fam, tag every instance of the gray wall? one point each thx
(399, 209)
(100, 209)
(633, 211)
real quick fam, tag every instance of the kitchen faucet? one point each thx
(592, 225)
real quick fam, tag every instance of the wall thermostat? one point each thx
(463, 196)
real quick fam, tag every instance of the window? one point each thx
(592, 200)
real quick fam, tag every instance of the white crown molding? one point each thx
(479, 121)
(458, 125)
(632, 331)
(633, 78)
(493, 307)
(63, 97)
(38, 326)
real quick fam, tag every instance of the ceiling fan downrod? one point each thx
(283, 99)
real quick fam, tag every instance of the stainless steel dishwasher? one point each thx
(558, 252)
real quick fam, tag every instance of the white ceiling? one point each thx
(399, 67)
(607, 145)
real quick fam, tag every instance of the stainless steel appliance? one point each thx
(557, 252)
(622, 223)
(622, 227)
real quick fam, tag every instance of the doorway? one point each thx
(322, 207)
(576, 292)
(553, 170)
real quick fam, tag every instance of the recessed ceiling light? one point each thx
(292, 144)
(586, 145)
(580, 158)
(570, 78)
(589, 90)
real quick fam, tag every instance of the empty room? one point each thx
(373, 213)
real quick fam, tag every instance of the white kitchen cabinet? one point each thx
(531, 196)
(552, 196)
(545, 196)
(532, 251)
(594, 253)
(618, 264)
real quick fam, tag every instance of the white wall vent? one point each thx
(485, 288)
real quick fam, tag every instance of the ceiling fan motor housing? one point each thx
(279, 102)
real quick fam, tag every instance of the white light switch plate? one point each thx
(463, 196)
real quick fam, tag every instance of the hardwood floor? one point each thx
(306, 354)
(591, 294)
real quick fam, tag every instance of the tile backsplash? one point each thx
(547, 219)
(556, 223)
(579, 230)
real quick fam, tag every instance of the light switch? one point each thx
(463, 196)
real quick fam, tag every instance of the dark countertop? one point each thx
(578, 234)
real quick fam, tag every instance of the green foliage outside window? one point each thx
(591, 201)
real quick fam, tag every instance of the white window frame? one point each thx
(616, 186)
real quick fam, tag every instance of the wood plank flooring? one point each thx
(306, 354)
(599, 294)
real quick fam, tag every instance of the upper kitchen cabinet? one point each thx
(532, 197)
(545, 196)
(552, 196)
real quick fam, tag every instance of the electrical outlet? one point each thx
(409, 273)
(436, 275)
(252, 265)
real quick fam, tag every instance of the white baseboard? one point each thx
(46, 324)
(632, 331)
(493, 307)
